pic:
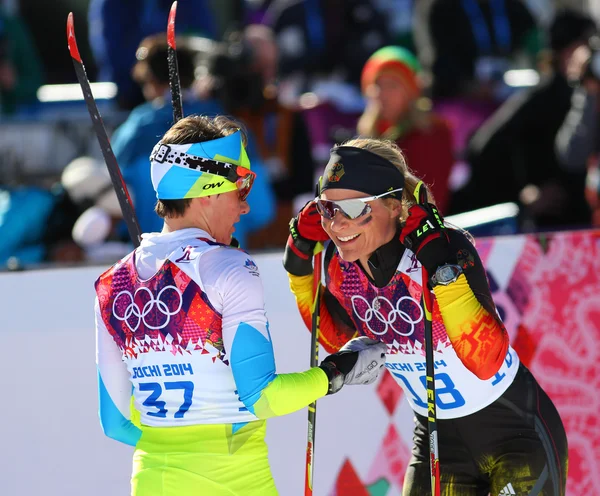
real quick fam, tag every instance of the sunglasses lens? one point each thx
(351, 209)
(354, 208)
(325, 209)
(244, 185)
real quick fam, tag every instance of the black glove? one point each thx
(306, 230)
(336, 366)
(358, 362)
(425, 234)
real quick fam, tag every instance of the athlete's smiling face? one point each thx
(359, 238)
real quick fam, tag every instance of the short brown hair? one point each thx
(152, 61)
(194, 129)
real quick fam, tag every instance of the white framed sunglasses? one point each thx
(351, 209)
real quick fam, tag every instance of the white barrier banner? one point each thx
(547, 290)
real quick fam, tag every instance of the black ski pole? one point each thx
(116, 178)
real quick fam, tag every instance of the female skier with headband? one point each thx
(499, 433)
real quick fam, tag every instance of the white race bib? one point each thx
(458, 391)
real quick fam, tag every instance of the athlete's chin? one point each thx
(228, 236)
(348, 254)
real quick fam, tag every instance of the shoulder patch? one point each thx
(251, 267)
(187, 254)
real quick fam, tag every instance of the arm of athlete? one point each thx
(469, 313)
(237, 289)
(466, 305)
(335, 328)
(306, 231)
(114, 387)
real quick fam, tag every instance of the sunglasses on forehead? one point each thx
(351, 209)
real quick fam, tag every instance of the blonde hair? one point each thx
(392, 152)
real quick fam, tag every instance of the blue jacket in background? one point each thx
(116, 28)
(133, 142)
(24, 213)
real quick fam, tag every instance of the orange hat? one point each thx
(393, 60)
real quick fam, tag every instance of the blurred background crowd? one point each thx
(495, 103)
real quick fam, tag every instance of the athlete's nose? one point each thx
(244, 207)
(338, 223)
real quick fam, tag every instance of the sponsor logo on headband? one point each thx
(390, 189)
(165, 153)
(335, 173)
(213, 185)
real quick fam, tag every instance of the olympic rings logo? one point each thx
(133, 309)
(386, 313)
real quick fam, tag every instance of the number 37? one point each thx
(156, 390)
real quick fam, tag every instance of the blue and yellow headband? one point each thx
(198, 169)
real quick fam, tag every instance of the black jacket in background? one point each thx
(515, 147)
(447, 46)
(329, 35)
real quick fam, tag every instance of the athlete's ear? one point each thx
(204, 201)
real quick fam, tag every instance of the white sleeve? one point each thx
(232, 281)
(114, 387)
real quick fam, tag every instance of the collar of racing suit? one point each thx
(384, 261)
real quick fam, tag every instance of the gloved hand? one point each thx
(358, 362)
(425, 234)
(306, 229)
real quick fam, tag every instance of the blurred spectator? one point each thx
(578, 140)
(99, 230)
(326, 38)
(134, 140)
(399, 20)
(594, 8)
(227, 15)
(235, 14)
(20, 66)
(255, 10)
(23, 214)
(116, 27)
(513, 156)
(397, 111)
(543, 11)
(35, 226)
(465, 47)
(323, 45)
(244, 79)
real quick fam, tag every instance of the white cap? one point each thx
(85, 178)
(92, 227)
(110, 203)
